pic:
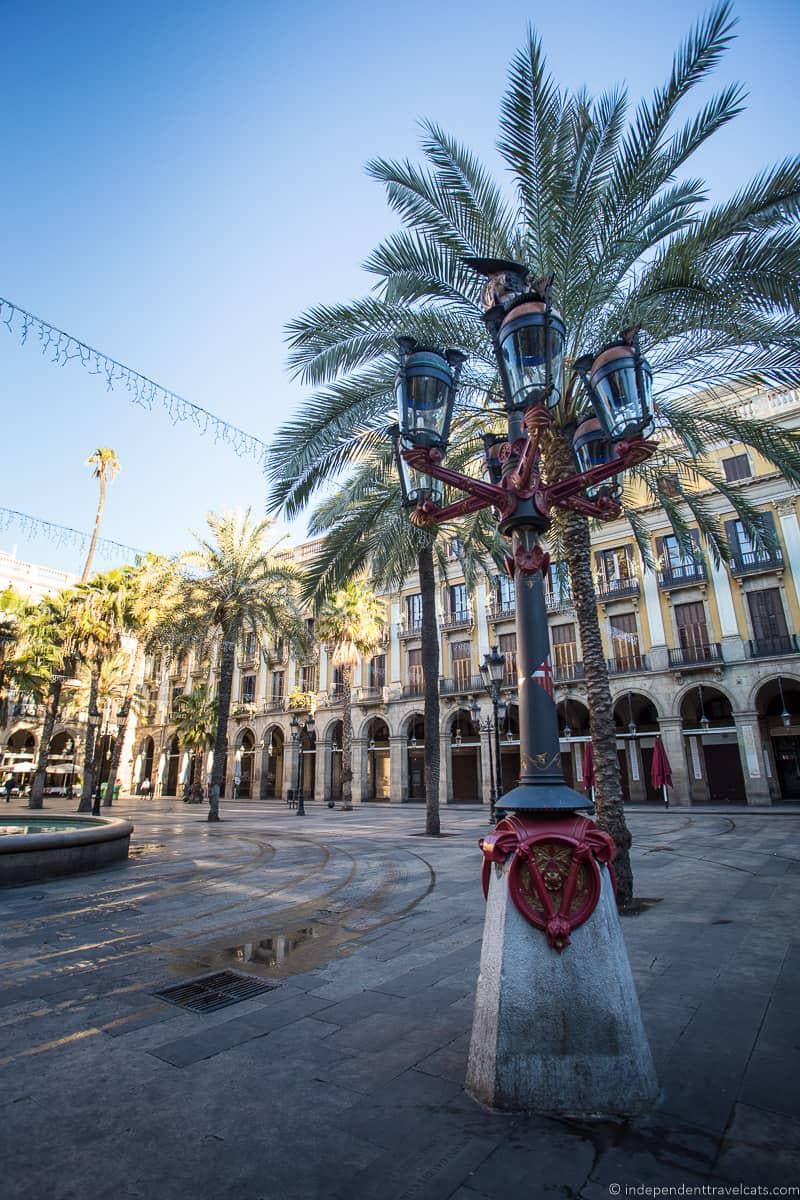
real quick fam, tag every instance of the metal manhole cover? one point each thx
(212, 992)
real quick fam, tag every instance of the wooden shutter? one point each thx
(692, 627)
(766, 613)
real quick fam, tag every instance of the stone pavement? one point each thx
(344, 1081)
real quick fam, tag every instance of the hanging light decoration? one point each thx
(786, 716)
(704, 721)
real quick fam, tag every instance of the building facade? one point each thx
(703, 654)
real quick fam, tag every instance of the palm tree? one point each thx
(352, 623)
(597, 203)
(106, 468)
(233, 582)
(43, 661)
(195, 720)
(12, 606)
(365, 529)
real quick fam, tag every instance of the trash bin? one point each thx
(116, 792)
(102, 791)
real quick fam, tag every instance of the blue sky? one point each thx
(182, 178)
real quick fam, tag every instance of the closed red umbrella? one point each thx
(588, 768)
(661, 771)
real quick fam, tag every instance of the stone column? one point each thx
(732, 644)
(636, 781)
(659, 658)
(481, 620)
(675, 745)
(322, 772)
(445, 770)
(397, 746)
(359, 765)
(323, 669)
(790, 528)
(394, 644)
(756, 784)
(487, 749)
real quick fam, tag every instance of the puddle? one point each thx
(281, 953)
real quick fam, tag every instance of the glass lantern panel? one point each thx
(525, 354)
(427, 406)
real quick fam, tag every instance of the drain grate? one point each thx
(212, 992)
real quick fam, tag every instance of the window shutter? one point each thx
(661, 560)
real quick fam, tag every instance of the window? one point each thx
(557, 584)
(692, 629)
(504, 593)
(177, 690)
(415, 670)
(745, 551)
(414, 611)
(767, 616)
(337, 683)
(457, 600)
(461, 658)
(615, 565)
(737, 467)
(249, 645)
(376, 672)
(454, 548)
(276, 685)
(625, 642)
(507, 644)
(248, 689)
(308, 678)
(565, 648)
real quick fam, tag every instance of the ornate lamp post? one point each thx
(298, 728)
(493, 669)
(531, 1049)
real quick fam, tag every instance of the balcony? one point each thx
(502, 610)
(461, 686)
(682, 574)
(616, 589)
(755, 562)
(570, 672)
(460, 618)
(417, 688)
(782, 643)
(243, 711)
(628, 664)
(695, 656)
(275, 657)
(371, 695)
(275, 705)
(557, 602)
(408, 629)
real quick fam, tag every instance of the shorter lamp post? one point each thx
(103, 749)
(298, 728)
(493, 669)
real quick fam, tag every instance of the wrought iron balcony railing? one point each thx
(697, 655)
(407, 629)
(500, 610)
(680, 574)
(782, 643)
(627, 664)
(556, 602)
(568, 672)
(274, 705)
(754, 561)
(461, 685)
(415, 688)
(371, 695)
(612, 589)
(460, 618)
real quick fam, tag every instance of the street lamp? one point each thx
(298, 728)
(524, 884)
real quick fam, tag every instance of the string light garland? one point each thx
(62, 348)
(62, 535)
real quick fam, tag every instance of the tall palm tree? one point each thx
(106, 468)
(195, 720)
(12, 606)
(352, 623)
(601, 202)
(233, 582)
(365, 529)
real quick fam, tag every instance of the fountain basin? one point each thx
(33, 847)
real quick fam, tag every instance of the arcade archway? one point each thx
(377, 750)
(465, 758)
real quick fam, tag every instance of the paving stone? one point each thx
(760, 1148)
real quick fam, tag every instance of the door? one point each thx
(769, 621)
(625, 642)
(466, 775)
(787, 764)
(724, 774)
(692, 631)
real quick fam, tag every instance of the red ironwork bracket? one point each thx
(524, 481)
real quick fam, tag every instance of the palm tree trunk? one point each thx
(87, 787)
(87, 566)
(608, 787)
(116, 756)
(227, 651)
(430, 674)
(347, 737)
(36, 799)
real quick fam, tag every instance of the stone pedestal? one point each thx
(558, 1033)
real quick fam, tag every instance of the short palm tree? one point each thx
(351, 622)
(195, 720)
(602, 203)
(106, 468)
(234, 582)
(12, 606)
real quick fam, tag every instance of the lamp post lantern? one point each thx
(298, 728)
(557, 1027)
